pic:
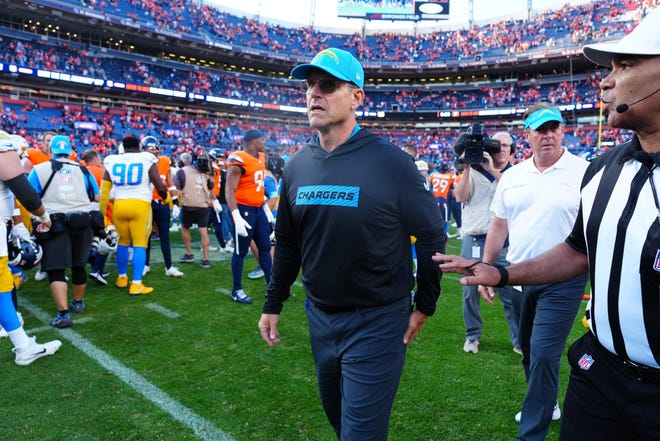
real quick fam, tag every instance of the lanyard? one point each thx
(655, 192)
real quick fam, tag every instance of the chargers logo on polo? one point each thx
(337, 195)
(656, 264)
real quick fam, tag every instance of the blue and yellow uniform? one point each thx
(131, 212)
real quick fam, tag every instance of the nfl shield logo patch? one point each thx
(65, 175)
(656, 262)
(586, 361)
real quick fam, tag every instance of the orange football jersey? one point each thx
(164, 164)
(250, 189)
(441, 183)
(36, 156)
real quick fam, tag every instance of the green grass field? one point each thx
(187, 363)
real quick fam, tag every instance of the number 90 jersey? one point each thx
(250, 189)
(129, 173)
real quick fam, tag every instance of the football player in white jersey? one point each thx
(13, 182)
(133, 175)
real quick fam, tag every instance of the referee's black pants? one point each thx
(606, 399)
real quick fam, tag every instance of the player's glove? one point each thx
(20, 231)
(217, 208)
(176, 211)
(269, 216)
(240, 224)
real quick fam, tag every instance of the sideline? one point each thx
(201, 427)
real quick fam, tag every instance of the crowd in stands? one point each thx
(66, 57)
(179, 133)
(485, 97)
(591, 21)
(568, 26)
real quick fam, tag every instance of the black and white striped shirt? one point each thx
(618, 227)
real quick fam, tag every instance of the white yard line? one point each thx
(224, 291)
(202, 428)
(162, 310)
(50, 328)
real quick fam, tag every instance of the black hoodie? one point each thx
(347, 217)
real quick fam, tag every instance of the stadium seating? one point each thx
(60, 56)
(568, 26)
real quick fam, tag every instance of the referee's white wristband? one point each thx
(16, 212)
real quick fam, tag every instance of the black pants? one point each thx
(161, 215)
(605, 401)
(359, 356)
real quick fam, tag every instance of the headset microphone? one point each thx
(624, 107)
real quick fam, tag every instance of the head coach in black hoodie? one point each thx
(350, 202)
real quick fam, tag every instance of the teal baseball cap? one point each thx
(60, 145)
(338, 63)
(542, 116)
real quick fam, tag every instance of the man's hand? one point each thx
(454, 264)
(487, 293)
(44, 222)
(268, 328)
(417, 320)
(240, 224)
(477, 273)
(488, 163)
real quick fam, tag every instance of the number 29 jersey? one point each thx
(129, 173)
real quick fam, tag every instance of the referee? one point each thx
(614, 388)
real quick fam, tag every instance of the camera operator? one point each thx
(536, 204)
(483, 161)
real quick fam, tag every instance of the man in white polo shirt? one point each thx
(536, 203)
(615, 367)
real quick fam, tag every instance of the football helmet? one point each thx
(109, 243)
(24, 253)
(6, 142)
(150, 144)
(215, 154)
(20, 143)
